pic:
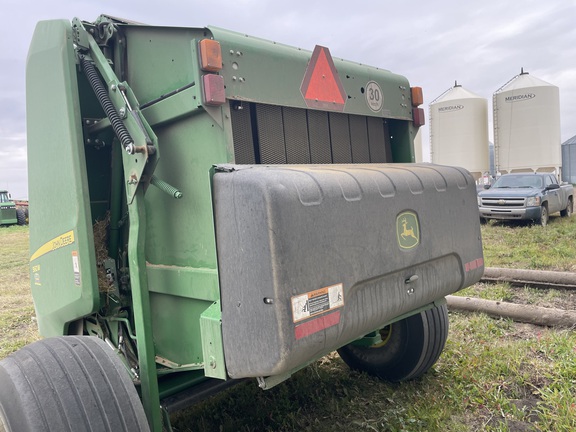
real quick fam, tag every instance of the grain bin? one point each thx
(527, 125)
(459, 130)
(569, 160)
(418, 149)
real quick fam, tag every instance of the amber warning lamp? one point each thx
(210, 55)
(417, 113)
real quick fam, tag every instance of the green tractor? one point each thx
(10, 213)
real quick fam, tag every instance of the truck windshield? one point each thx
(4, 197)
(519, 181)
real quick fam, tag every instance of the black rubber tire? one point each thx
(20, 216)
(70, 383)
(543, 220)
(412, 347)
(567, 212)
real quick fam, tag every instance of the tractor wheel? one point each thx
(70, 383)
(408, 349)
(20, 216)
(567, 212)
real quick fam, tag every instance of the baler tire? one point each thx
(70, 383)
(567, 212)
(20, 216)
(410, 348)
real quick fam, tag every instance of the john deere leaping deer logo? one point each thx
(407, 230)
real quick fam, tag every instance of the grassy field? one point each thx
(17, 325)
(494, 375)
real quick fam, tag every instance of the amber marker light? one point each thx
(210, 55)
(417, 97)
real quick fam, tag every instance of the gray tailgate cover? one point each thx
(312, 257)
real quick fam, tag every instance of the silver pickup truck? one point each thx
(526, 196)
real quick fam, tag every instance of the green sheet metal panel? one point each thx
(180, 232)
(160, 59)
(180, 243)
(62, 263)
(180, 240)
(168, 55)
(272, 73)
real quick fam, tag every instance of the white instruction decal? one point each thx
(76, 267)
(317, 302)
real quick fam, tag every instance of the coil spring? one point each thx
(102, 95)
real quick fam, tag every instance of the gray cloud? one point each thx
(480, 44)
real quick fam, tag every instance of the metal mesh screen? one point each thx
(359, 138)
(376, 139)
(296, 135)
(242, 135)
(319, 133)
(270, 134)
(340, 138)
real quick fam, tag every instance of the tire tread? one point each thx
(422, 338)
(71, 383)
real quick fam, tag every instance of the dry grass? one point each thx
(494, 375)
(17, 317)
(101, 245)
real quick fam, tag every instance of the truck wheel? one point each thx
(408, 349)
(20, 216)
(543, 215)
(567, 212)
(70, 383)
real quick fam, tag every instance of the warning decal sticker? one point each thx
(317, 302)
(76, 267)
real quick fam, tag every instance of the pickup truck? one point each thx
(526, 196)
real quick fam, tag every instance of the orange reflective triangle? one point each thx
(321, 86)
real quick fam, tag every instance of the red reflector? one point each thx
(213, 90)
(316, 325)
(418, 117)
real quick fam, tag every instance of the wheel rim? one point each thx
(385, 334)
(544, 219)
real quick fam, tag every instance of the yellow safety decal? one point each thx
(56, 243)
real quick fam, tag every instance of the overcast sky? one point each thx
(481, 44)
